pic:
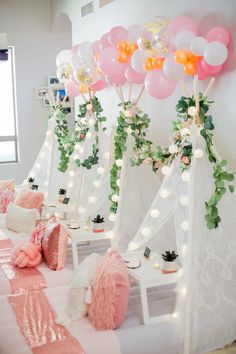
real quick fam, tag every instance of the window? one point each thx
(8, 131)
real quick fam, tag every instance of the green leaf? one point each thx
(223, 163)
(231, 188)
(210, 225)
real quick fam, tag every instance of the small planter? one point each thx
(61, 194)
(30, 185)
(98, 227)
(169, 267)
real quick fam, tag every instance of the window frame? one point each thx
(14, 138)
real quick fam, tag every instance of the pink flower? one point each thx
(148, 160)
(185, 160)
(157, 164)
(81, 136)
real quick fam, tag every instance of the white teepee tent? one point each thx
(205, 307)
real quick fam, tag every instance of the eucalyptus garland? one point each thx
(134, 122)
(182, 147)
(67, 142)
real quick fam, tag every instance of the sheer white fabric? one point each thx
(205, 314)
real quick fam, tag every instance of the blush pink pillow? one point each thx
(54, 244)
(110, 292)
(30, 200)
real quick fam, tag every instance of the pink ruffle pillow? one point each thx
(30, 200)
(54, 244)
(110, 292)
(7, 196)
(27, 255)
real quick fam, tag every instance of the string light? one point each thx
(71, 173)
(91, 200)
(198, 153)
(132, 246)
(185, 176)
(70, 184)
(118, 182)
(192, 111)
(88, 135)
(115, 198)
(110, 234)
(100, 170)
(184, 200)
(48, 133)
(119, 163)
(185, 225)
(185, 132)
(112, 217)
(96, 183)
(165, 193)
(175, 315)
(146, 231)
(184, 291)
(154, 213)
(91, 122)
(106, 155)
(81, 210)
(37, 165)
(173, 149)
(166, 170)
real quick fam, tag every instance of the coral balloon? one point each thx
(137, 61)
(189, 68)
(157, 62)
(71, 89)
(122, 57)
(219, 34)
(148, 65)
(108, 63)
(116, 80)
(171, 69)
(103, 42)
(181, 56)
(158, 85)
(133, 76)
(215, 53)
(202, 75)
(182, 22)
(116, 35)
(198, 45)
(210, 69)
(98, 86)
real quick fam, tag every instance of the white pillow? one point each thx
(20, 219)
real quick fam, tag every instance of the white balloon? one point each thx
(198, 45)
(63, 57)
(134, 33)
(172, 70)
(84, 50)
(183, 39)
(137, 61)
(215, 53)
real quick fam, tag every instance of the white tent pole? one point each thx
(184, 88)
(139, 96)
(209, 86)
(118, 93)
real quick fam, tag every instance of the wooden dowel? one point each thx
(184, 88)
(196, 92)
(90, 96)
(130, 90)
(209, 87)
(93, 94)
(122, 95)
(58, 95)
(139, 96)
(118, 93)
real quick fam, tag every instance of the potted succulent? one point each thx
(169, 264)
(30, 182)
(62, 194)
(98, 224)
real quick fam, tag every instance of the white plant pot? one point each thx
(61, 197)
(169, 267)
(30, 184)
(98, 227)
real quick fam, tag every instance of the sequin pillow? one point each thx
(9, 183)
(54, 243)
(30, 199)
(110, 292)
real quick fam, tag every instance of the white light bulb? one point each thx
(175, 315)
(119, 162)
(115, 198)
(185, 176)
(166, 170)
(48, 133)
(198, 153)
(165, 193)
(173, 149)
(146, 231)
(37, 165)
(96, 183)
(70, 184)
(112, 217)
(110, 234)
(71, 173)
(45, 183)
(81, 210)
(184, 249)
(184, 291)
(118, 182)
(184, 200)
(154, 213)
(185, 225)
(91, 122)
(100, 170)
(185, 132)
(88, 135)
(192, 111)
(106, 155)
(91, 200)
(132, 246)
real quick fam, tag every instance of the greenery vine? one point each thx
(134, 122)
(67, 141)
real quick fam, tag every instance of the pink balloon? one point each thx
(202, 74)
(103, 42)
(71, 89)
(117, 34)
(133, 76)
(116, 80)
(158, 85)
(95, 47)
(182, 22)
(108, 63)
(98, 86)
(218, 34)
(210, 69)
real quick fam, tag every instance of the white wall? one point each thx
(28, 25)
(127, 12)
